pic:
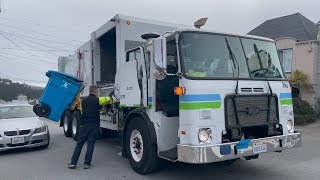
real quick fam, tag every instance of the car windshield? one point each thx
(207, 55)
(16, 112)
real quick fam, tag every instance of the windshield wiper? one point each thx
(261, 66)
(235, 62)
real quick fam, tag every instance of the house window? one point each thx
(286, 57)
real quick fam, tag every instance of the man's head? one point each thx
(94, 90)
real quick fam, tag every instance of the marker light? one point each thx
(179, 91)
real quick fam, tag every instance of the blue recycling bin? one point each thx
(58, 95)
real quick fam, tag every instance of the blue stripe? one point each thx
(285, 96)
(200, 97)
(245, 141)
(149, 99)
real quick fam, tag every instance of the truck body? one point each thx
(185, 95)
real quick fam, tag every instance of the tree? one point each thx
(299, 78)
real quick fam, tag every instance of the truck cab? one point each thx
(209, 96)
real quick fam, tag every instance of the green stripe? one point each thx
(136, 105)
(285, 101)
(200, 105)
(122, 105)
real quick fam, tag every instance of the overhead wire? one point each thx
(36, 32)
(19, 38)
(41, 63)
(17, 45)
(46, 50)
(41, 24)
(49, 56)
(28, 44)
(56, 42)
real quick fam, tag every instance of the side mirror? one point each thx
(160, 53)
(160, 57)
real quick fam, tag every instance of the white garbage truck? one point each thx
(184, 94)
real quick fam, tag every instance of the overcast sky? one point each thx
(33, 33)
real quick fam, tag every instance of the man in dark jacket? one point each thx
(89, 126)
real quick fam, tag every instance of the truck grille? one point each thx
(251, 111)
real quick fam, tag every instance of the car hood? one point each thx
(20, 123)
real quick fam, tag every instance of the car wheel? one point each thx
(67, 123)
(43, 110)
(75, 124)
(142, 154)
(34, 108)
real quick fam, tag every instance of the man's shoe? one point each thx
(71, 166)
(86, 166)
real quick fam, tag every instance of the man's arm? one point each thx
(104, 100)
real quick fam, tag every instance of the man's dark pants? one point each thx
(89, 134)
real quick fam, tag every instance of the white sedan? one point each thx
(21, 128)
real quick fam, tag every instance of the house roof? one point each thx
(296, 26)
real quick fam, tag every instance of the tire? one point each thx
(67, 126)
(145, 160)
(34, 108)
(43, 110)
(75, 124)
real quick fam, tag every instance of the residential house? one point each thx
(297, 39)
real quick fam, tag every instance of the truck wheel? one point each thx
(43, 110)
(142, 154)
(75, 124)
(67, 127)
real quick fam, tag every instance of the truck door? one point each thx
(133, 81)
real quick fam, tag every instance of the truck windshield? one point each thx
(207, 56)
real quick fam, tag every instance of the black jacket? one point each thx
(90, 111)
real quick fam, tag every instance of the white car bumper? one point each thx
(30, 140)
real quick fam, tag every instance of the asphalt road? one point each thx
(37, 164)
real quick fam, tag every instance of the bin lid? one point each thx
(64, 74)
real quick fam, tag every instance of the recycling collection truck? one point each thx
(184, 94)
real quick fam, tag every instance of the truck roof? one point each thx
(224, 33)
(180, 27)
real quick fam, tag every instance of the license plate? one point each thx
(259, 148)
(17, 140)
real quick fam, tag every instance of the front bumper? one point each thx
(31, 140)
(234, 150)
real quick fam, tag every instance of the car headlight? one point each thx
(40, 129)
(204, 135)
(290, 126)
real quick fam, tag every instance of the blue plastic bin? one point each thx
(59, 93)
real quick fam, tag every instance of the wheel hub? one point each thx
(136, 145)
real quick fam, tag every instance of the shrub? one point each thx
(302, 107)
(304, 119)
(303, 112)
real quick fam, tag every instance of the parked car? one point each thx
(21, 128)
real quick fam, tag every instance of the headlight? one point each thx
(290, 126)
(204, 135)
(40, 129)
